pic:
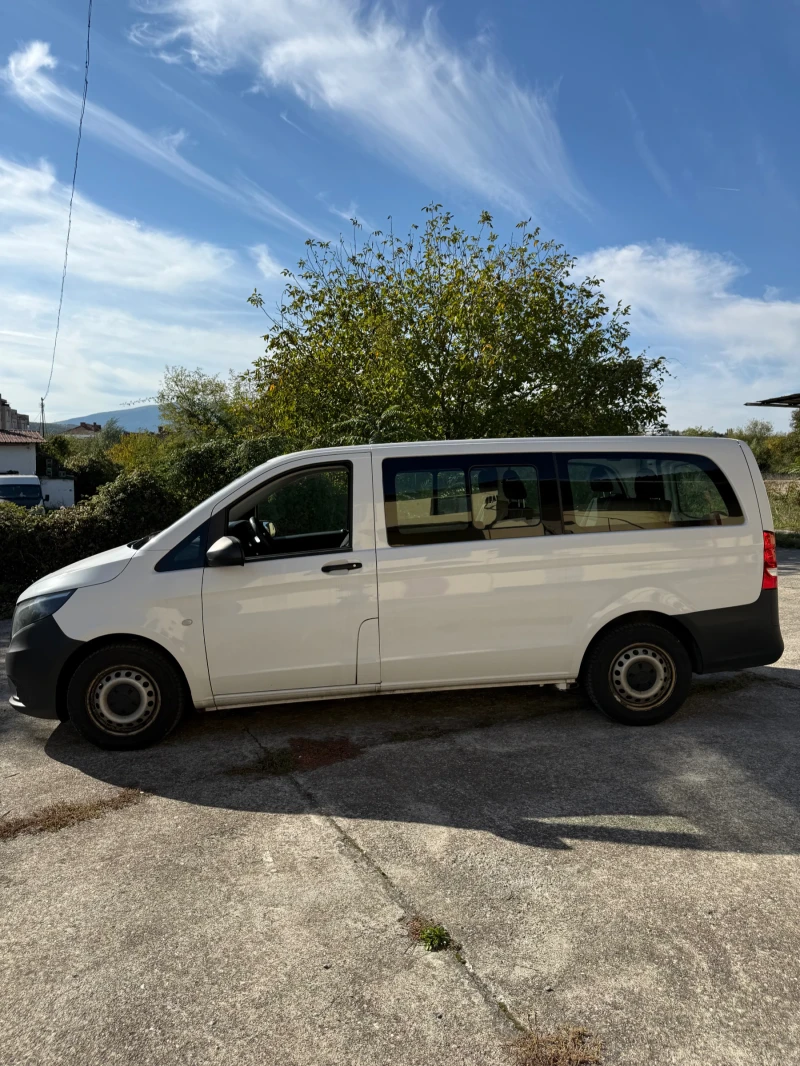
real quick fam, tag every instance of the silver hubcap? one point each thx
(123, 700)
(642, 676)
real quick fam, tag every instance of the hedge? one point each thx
(33, 543)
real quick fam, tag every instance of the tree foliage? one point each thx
(195, 405)
(446, 335)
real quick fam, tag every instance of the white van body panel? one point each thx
(94, 570)
(764, 505)
(164, 608)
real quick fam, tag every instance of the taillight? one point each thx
(770, 578)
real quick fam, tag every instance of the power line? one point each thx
(71, 198)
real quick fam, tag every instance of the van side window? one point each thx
(505, 501)
(430, 502)
(613, 492)
(306, 510)
(189, 554)
(472, 497)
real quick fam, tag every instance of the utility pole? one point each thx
(41, 417)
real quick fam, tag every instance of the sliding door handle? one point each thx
(328, 568)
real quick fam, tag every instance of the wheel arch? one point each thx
(666, 621)
(81, 653)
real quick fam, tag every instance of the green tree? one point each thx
(195, 405)
(446, 335)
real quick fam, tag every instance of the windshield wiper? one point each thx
(136, 544)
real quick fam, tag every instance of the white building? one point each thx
(17, 442)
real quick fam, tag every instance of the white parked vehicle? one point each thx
(24, 490)
(625, 563)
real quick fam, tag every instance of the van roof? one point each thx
(20, 479)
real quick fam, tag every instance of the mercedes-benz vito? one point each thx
(624, 563)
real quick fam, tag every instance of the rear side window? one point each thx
(481, 497)
(609, 492)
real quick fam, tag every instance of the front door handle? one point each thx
(328, 568)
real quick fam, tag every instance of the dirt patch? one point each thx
(311, 754)
(62, 815)
(302, 753)
(566, 1046)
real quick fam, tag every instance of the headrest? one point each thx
(487, 479)
(599, 480)
(649, 487)
(513, 487)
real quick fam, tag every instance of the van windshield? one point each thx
(20, 492)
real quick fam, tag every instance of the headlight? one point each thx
(39, 607)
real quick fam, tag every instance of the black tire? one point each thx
(125, 696)
(638, 674)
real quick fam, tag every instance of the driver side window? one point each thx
(307, 510)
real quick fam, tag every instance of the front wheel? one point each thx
(125, 696)
(638, 674)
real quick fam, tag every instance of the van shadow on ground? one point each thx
(530, 765)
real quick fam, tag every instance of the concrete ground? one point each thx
(643, 883)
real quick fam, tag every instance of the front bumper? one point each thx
(34, 662)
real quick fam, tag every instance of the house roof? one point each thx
(25, 436)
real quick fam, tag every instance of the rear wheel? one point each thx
(125, 696)
(638, 674)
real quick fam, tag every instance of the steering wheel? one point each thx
(262, 533)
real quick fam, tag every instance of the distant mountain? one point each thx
(133, 419)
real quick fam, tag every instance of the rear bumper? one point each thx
(735, 638)
(34, 661)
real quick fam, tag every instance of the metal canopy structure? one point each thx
(791, 400)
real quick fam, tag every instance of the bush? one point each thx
(196, 471)
(33, 544)
(784, 498)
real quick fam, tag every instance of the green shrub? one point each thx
(33, 543)
(195, 472)
(784, 498)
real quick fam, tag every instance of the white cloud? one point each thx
(107, 355)
(269, 266)
(104, 248)
(407, 93)
(25, 79)
(723, 348)
(121, 322)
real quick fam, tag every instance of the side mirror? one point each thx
(227, 551)
(47, 497)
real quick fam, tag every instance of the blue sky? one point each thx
(655, 140)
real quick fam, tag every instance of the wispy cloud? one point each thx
(405, 91)
(26, 80)
(107, 354)
(346, 214)
(106, 249)
(269, 267)
(294, 125)
(725, 348)
(652, 165)
(138, 297)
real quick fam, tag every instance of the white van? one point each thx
(625, 563)
(24, 490)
